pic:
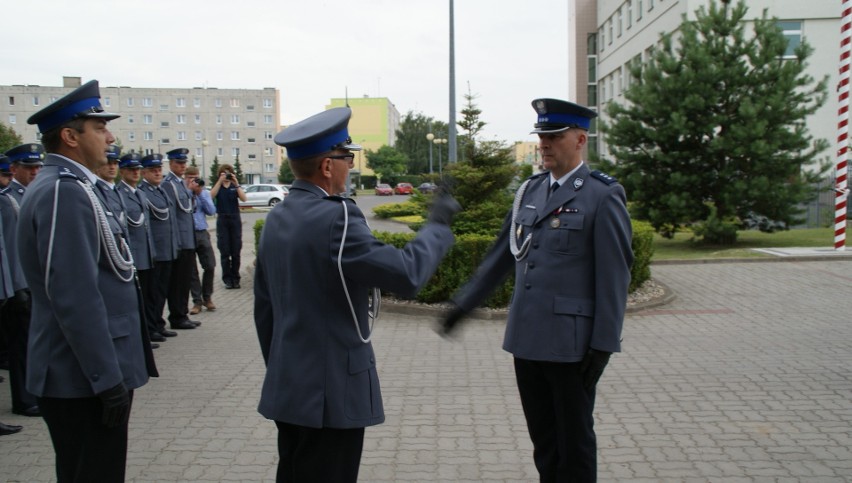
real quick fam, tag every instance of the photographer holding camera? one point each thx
(229, 233)
(201, 288)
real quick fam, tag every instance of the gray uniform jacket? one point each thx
(138, 217)
(9, 211)
(17, 190)
(571, 288)
(318, 371)
(182, 198)
(85, 333)
(5, 278)
(164, 230)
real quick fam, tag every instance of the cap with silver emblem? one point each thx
(555, 116)
(82, 102)
(318, 134)
(29, 154)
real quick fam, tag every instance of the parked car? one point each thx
(403, 189)
(383, 189)
(427, 188)
(264, 194)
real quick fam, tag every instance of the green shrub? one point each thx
(643, 250)
(406, 208)
(715, 230)
(258, 228)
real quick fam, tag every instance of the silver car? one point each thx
(264, 194)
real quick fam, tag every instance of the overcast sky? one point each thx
(311, 50)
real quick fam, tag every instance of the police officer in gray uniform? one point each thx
(106, 185)
(568, 239)
(164, 232)
(26, 161)
(16, 312)
(87, 349)
(179, 282)
(317, 262)
(6, 291)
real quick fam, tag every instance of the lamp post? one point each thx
(204, 144)
(439, 142)
(430, 137)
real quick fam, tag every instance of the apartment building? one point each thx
(374, 123)
(210, 122)
(628, 30)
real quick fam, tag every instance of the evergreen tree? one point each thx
(471, 124)
(715, 127)
(238, 170)
(285, 174)
(192, 162)
(411, 141)
(8, 138)
(214, 171)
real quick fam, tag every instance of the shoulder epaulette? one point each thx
(539, 175)
(67, 174)
(337, 198)
(605, 178)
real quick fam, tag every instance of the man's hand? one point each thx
(592, 367)
(451, 318)
(444, 207)
(116, 401)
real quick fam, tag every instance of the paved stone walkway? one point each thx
(745, 377)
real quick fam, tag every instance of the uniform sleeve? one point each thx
(613, 237)
(263, 319)
(72, 282)
(403, 271)
(491, 273)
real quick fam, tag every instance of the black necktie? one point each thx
(553, 188)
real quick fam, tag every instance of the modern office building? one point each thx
(374, 123)
(627, 31)
(210, 122)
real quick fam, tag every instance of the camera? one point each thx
(229, 176)
(198, 181)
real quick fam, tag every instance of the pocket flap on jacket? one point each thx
(120, 326)
(361, 358)
(573, 306)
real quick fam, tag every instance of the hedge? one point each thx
(466, 254)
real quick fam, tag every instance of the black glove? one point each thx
(116, 403)
(592, 367)
(444, 207)
(451, 318)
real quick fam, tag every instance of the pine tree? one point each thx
(238, 170)
(8, 138)
(715, 127)
(285, 173)
(214, 171)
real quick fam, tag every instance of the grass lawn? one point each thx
(682, 247)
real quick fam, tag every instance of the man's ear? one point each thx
(325, 167)
(69, 136)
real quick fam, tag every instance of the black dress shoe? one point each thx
(194, 322)
(183, 325)
(157, 337)
(235, 285)
(167, 333)
(155, 346)
(31, 411)
(228, 285)
(9, 429)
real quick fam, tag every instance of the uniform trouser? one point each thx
(154, 284)
(86, 450)
(559, 417)
(229, 239)
(318, 454)
(15, 325)
(179, 286)
(202, 289)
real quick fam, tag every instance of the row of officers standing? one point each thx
(160, 219)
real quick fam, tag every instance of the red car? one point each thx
(383, 189)
(403, 189)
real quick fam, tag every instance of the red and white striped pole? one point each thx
(841, 193)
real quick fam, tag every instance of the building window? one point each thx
(250, 107)
(129, 102)
(164, 107)
(148, 136)
(267, 151)
(235, 102)
(235, 152)
(267, 103)
(164, 123)
(269, 167)
(252, 156)
(131, 136)
(181, 118)
(218, 119)
(199, 152)
(592, 44)
(609, 31)
(638, 10)
(220, 151)
(218, 102)
(593, 69)
(629, 13)
(198, 119)
(219, 136)
(792, 30)
(250, 140)
(620, 21)
(106, 101)
(250, 123)
(593, 95)
(650, 5)
(196, 102)
(147, 119)
(35, 100)
(180, 102)
(235, 118)
(130, 119)
(147, 102)
(235, 135)
(267, 135)
(11, 100)
(267, 119)
(165, 141)
(181, 135)
(199, 136)
(13, 119)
